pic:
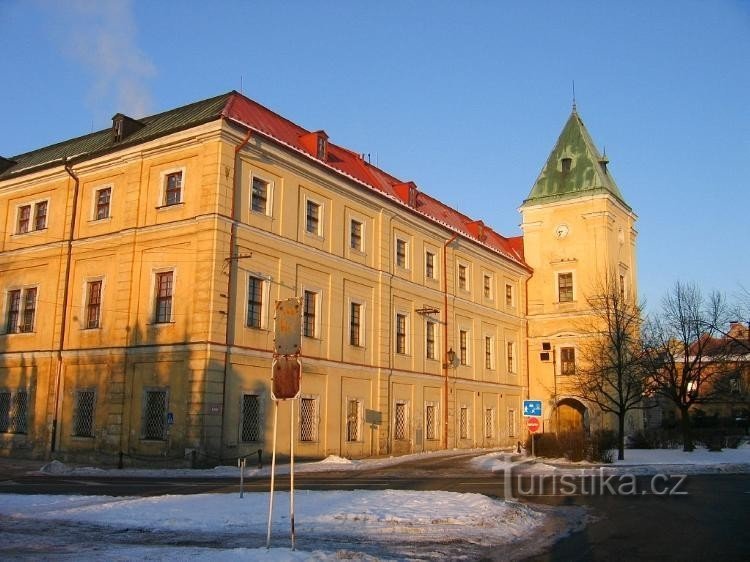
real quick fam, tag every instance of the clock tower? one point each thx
(577, 231)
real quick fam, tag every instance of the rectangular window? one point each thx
(400, 252)
(312, 224)
(93, 303)
(429, 265)
(400, 426)
(565, 287)
(622, 287)
(83, 420)
(103, 197)
(24, 216)
(13, 411)
(487, 286)
(254, 302)
(163, 301)
(430, 421)
(461, 276)
(511, 423)
(489, 423)
(309, 327)
(251, 419)
(509, 296)
(40, 215)
(29, 310)
(463, 346)
(488, 359)
(154, 421)
(354, 420)
(430, 340)
(355, 235)
(259, 196)
(567, 360)
(355, 324)
(463, 422)
(14, 311)
(308, 419)
(173, 188)
(511, 357)
(401, 333)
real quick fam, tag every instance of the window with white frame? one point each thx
(567, 360)
(83, 414)
(21, 310)
(40, 215)
(511, 356)
(154, 415)
(25, 223)
(463, 422)
(355, 235)
(308, 418)
(402, 327)
(353, 419)
(102, 201)
(260, 196)
(462, 276)
(487, 285)
(489, 352)
(93, 304)
(313, 218)
(255, 292)
(402, 253)
(511, 422)
(172, 188)
(430, 421)
(252, 420)
(489, 423)
(355, 324)
(310, 316)
(14, 411)
(400, 422)
(430, 339)
(429, 265)
(163, 293)
(565, 287)
(463, 346)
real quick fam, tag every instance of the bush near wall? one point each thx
(599, 446)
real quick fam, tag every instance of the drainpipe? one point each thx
(63, 323)
(228, 335)
(445, 335)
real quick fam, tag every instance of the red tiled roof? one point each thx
(247, 112)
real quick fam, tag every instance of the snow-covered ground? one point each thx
(401, 524)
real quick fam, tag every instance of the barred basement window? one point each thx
(430, 422)
(154, 415)
(308, 419)
(463, 422)
(489, 423)
(400, 432)
(353, 420)
(13, 411)
(251, 419)
(83, 422)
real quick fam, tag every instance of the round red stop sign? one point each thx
(533, 424)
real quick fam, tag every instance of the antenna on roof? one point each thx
(574, 96)
(243, 93)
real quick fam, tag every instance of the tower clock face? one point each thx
(561, 231)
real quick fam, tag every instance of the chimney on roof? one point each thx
(124, 126)
(316, 143)
(407, 192)
(6, 163)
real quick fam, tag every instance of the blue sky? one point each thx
(464, 98)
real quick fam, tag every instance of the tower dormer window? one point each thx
(565, 163)
(322, 147)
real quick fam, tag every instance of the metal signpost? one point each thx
(532, 409)
(286, 375)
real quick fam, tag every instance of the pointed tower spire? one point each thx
(574, 168)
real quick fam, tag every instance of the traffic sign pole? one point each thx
(273, 472)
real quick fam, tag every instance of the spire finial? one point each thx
(574, 96)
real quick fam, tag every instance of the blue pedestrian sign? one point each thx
(532, 408)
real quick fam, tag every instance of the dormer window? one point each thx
(565, 163)
(322, 147)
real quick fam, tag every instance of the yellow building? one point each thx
(140, 267)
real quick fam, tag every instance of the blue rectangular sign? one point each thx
(532, 407)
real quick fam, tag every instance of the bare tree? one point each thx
(612, 373)
(685, 354)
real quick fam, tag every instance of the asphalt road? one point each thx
(705, 517)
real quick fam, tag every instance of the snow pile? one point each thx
(333, 459)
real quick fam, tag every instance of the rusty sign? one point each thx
(286, 374)
(288, 327)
